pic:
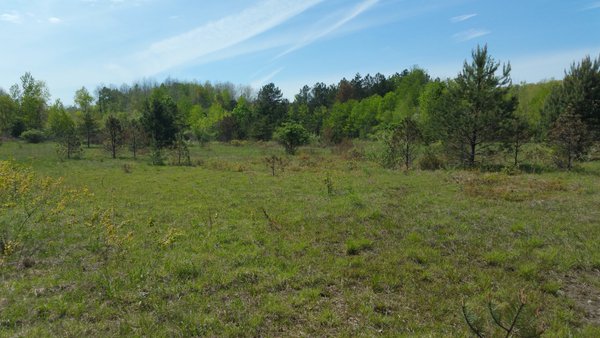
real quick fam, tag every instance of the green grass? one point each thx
(331, 246)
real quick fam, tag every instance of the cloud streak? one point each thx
(12, 17)
(461, 18)
(470, 34)
(262, 81)
(307, 40)
(218, 35)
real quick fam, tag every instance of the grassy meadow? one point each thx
(333, 245)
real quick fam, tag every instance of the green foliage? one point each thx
(269, 111)
(88, 126)
(356, 246)
(532, 97)
(291, 136)
(83, 99)
(134, 136)
(507, 320)
(31, 97)
(517, 132)
(570, 138)
(161, 119)
(432, 158)
(8, 113)
(156, 156)
(205, 122)
(62, 128)
(60, 123)
(33, 136)
(113, 131)
(401, 143)
(69, 145)
(180, 151)
(579, 92)
(481, 103)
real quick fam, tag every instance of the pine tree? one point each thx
(482, 104)
(570, 138)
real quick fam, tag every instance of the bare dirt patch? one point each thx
(584, 290)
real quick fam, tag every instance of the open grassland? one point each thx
(332, 246)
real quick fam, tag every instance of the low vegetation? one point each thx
(333, 245)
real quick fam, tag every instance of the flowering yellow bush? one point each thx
(27, 203)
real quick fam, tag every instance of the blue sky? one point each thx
(74, 43)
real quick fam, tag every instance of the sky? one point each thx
(292, 43)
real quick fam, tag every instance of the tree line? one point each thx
(470, 115)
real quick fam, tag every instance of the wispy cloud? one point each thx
(219, 35)
(12, 17)
(265, 79)
(353, 13)
(462, 18)
(593, 5)
(54, 20)
(470, 34)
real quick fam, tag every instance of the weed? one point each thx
(356, 246)
(329, 185)
(126, 168)
(274, 162)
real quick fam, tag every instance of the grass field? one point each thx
(332, 246)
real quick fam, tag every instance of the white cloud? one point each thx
(322, 32)
(12, 17)
(54, 20)
(462, 18)
(470, 34)
(218, 35)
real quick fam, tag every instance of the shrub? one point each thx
(291, 136)
(431, 161)
(33, 136)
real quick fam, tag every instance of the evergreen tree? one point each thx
(270, 111)
(579, 92)
(569, 137)
(482, 103)
(160, 119)
(114, 135)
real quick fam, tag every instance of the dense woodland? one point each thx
(471, 116)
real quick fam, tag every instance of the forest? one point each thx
(469, 117)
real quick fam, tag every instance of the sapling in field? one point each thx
(401, 143)
(114, 135)
(273, 162)
(507, 320)
(570, 138)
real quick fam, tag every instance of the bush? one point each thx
(431, 159)
(33, 136)
(291, 136)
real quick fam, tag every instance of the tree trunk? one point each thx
(407, 155)
(516, 154)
